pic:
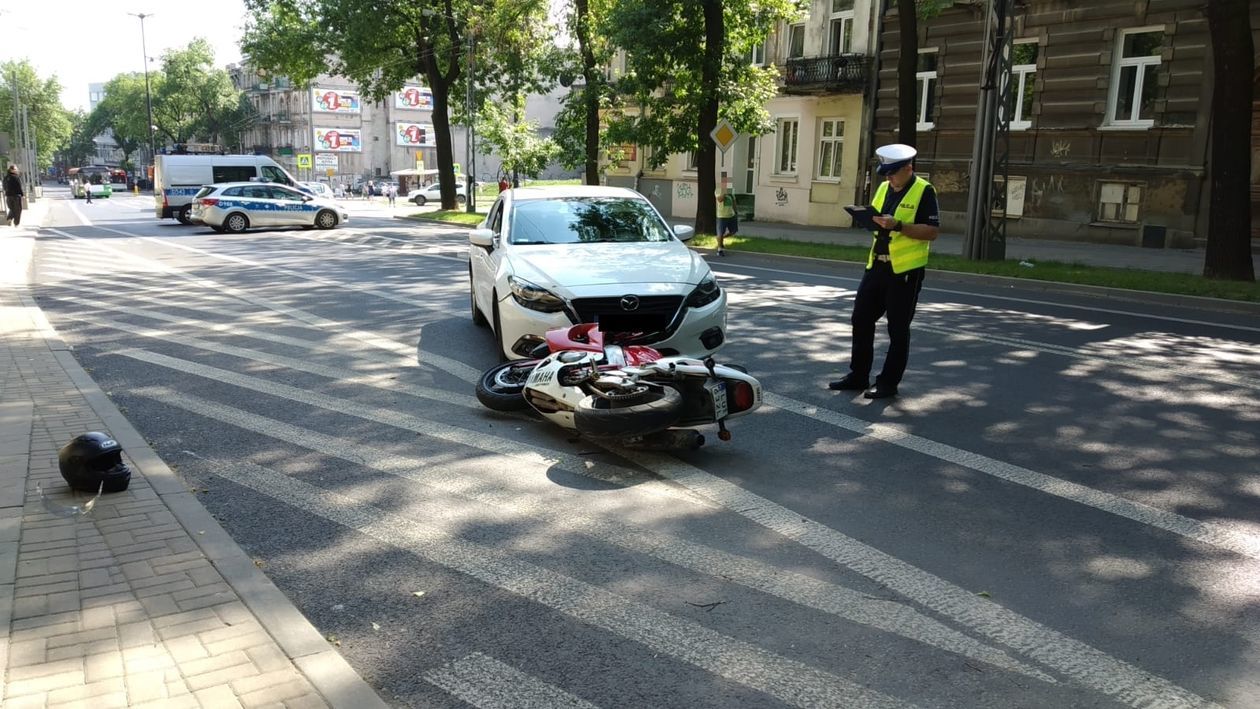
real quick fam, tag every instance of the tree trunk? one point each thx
(442, 136)
(706, 152)
(907, 66)
(590, 92)
(1228, 254)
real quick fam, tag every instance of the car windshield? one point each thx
(577, 220)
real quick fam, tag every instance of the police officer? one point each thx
(909, 220)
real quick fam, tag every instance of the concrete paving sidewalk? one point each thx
(145, 600)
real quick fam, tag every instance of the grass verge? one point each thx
(450, 216)
(1055, 271)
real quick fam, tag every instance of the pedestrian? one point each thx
(727, 221)
(13, 194)
(392, 193)
(909, 220)
(87, 189)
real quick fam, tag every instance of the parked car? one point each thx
(319, 189)
(178, 177)
(237, 206)
(548, 257)
(433, 193)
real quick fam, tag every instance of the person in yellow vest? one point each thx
(909, 220)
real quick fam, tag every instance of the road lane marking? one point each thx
(486, 683)
(556, 505)
(788, 681)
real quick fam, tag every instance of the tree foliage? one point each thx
(123, 112)
(686, 64)
(577, 133)
(49, 122)
(80, 147)
(192, 99)
(515, 140)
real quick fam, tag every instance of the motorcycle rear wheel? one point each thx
(655, 410)
(502, 388)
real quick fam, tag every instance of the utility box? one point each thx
(1154, 236)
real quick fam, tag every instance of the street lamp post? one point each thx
(148, 97)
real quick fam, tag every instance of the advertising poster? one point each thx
(416, 98)
(339, 140)
(335, 101)
(414, 135)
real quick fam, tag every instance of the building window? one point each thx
(1023, 76)
(1119, 202)
(1135, 77)
(796, 41)
(692, 166)
(830, 148)
(786, 133)
(926, 76)
(757, 55)
(840, 35)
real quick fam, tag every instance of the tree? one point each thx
(378, 44)
(909, 12)
(80, 147)
(577, 125)
(192, 99)
(42, 100)
(124, 113)
(1228, 253)
(515, 140)
(686, 65)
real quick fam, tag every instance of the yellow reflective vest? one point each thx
(906, 253)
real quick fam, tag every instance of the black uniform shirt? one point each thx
(927, 213)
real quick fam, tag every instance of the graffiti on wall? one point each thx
(781, 197)
(684, 190)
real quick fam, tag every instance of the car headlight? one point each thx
(535, 297)
(706, 292)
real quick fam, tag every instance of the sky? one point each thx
(87, 41)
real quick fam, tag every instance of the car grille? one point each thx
(655, 314)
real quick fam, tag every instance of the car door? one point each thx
(484, 262)
(260, 205)
(291, 208)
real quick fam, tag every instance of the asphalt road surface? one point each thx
(1061, 510)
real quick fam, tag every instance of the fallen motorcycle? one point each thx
(628, 393)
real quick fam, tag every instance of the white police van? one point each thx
(176, 178)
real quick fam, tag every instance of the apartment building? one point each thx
(809, 167)
(1109, 116)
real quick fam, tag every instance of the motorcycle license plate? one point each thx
(717, 391)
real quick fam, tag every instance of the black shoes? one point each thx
(881, 391)
(851, 382)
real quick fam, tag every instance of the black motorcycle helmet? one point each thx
(93, 458)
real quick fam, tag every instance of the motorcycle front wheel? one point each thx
(502, 388)
(647, 412)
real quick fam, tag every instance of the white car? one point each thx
(237, 206)
(319, 189)
(548, 257)
(433, 193)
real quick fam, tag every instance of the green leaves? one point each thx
(42, 98)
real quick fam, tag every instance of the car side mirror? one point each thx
(481, 237)
(684, 232)
(307, 198)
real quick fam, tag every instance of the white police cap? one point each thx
(894, 157)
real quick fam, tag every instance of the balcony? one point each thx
(839, 74)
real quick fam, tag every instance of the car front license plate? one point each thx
(717, 391)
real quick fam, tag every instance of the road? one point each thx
(1060, 510)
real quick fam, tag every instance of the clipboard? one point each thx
(862, 217)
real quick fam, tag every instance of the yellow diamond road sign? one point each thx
(724, 135)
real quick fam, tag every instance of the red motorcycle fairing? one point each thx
(587, 337)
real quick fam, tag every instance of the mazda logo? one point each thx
(629, 302)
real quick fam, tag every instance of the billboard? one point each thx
(414, 135)
(335, 101)
(416, 98)
(340, 140)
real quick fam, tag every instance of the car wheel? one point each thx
(184, 214)
(478, 318)
(325, 219)
(419, 200)
(637, 414)
(502, 387)
(236, 223)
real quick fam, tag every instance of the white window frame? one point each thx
(1117, 67)
(1021, 74)
(844, 18)
(791, 31)
(757, 55)
(1129, 208)
(924, 82)
(784, 125)
(690, 163)
(833, 144)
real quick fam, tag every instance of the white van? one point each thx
(176, 178)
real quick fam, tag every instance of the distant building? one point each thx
(107, 152)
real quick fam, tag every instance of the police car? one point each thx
(237, 206)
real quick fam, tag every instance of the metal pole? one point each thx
(470, 141)
(148, 96)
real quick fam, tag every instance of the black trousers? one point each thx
(15, 209)
(884, 293)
